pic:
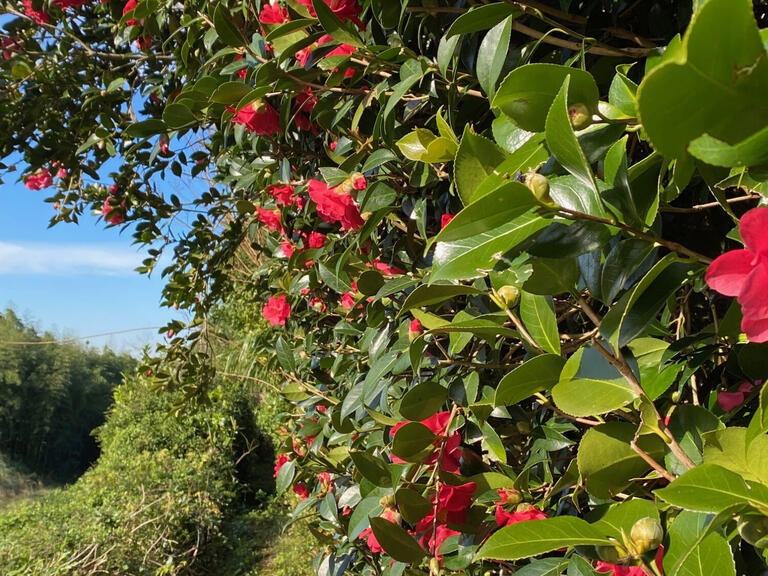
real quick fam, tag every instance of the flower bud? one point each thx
(387, 501)
(579, 115)
(539, 185)
(646, 535)
(509, 295)
(754, 530)
(510, 496)
(415, 329)
(434, 567)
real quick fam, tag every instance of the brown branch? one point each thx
(651, 462)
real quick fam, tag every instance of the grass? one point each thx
(15, 482)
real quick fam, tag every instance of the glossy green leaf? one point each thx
(538, 315)
(714, 86)
(423, 400)
(562, 141)
(492, 55)
(145, 128)
(411, 440)
(694, 550)
(527, 539)
(481, 18)
(712, 488)
(178, 116)
(607, 462)
(396, 541)
(620, 264)
(527, 93)
(340, 31)
(230, 92)
(537, 374)
(476, 158)
(751, 151)
(622, 516)
(373, 468)
(428, 294)
(226, 29)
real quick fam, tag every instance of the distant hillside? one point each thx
(52, 397)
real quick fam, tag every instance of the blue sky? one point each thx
(75, 280)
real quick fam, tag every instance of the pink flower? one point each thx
(112, 213)
(300, 489)
(445, 219)
(277, 310)
(130, 6)
(39, 180)
(39, 16)
(282, 459)
(731, 400)
(273, 14)
(348, 300)
(385, 269)
(335, 206)
(61, 173)
(333, 145)
(287, 248)
(343, 9)
(523, 513)
(319, 305)
(744, 274)
(257, 117)
(415, 329)
(270, 218)
(283, 194)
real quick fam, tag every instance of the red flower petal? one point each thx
(756, 329)
(753, 226)
(754, 293)
(728, 273)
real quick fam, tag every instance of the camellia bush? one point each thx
(514, 255)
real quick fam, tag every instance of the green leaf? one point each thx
(285, 476)
(538, 315)
(526, 539)
(411, 440)
(373, 468)
(607, 462)
(564, 145)
(572, 193)
(489, 212)
(751, 151)
(395, 540)
(445, 51)
(634, 311)
(178, 116)
(428, 294)
(368, 506)
(288, 27)
(552, 276)
(284, 354)
(621, 263)
(412, 505)
(694, 550)
(226, 29)
(586, 397)
(543, 567)
(728, 448)
(481, 18)
(562, 240)
(715, 85)
(423, 400)
(340, 31)
(538, 373)
(712, 488)
(474, 256)
(422, 145)
(759, 423)
(230, 92)
(145, 128)
(476, 158)
(527, 93)
(492, 55)
(621, 517)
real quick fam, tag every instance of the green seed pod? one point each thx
(646, 535)
(754, 530)
(608, 554)
(509, 295)
(539, 185)
(579, 115)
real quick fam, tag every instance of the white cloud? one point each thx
(67, 259)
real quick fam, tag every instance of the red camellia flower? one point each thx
(319, 305)
(9, 47)
(303, 55)
(282, 460)
(437, 424)
(415, 329)
(303, 105)
(442, 533)
(348, 300)
(277, 310)
(325, 481)
(445, 219)
(315, 240)
(112, 214)
(300, 489)
(242, 73)
(64, 4)
(282, 193)
(744, 274)
(39, 180)
(523, 513)
(731, 400)
(39, 16)
(257, 117)
(270, 218)
(343, 9)
(129, 6)
(335, 206)
(287, 248)
(384, 268)
(61, 173)
(273, 14)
